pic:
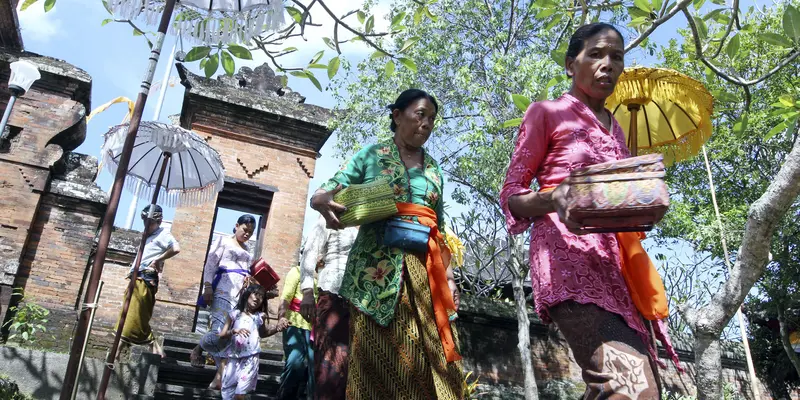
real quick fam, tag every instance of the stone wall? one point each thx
(45, 124)
(268, 140)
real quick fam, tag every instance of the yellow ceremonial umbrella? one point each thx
(668, 112)
(665, 111)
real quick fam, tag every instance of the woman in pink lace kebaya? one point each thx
(576, 277)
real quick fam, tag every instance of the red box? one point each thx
(264, 274)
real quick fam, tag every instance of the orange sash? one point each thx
(643, 281)
(437, 260)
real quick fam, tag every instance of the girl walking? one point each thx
(238, 342)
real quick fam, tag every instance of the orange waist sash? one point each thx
(437, 260)
(643, 281)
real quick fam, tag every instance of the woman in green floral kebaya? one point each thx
(402, 342)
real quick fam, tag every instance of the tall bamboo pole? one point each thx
(82, 330)
(739, 316)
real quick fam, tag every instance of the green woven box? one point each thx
(366, 203)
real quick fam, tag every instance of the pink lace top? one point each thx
(555, 138)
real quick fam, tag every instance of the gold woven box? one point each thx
(366, 203)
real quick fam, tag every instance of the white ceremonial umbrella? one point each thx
(192, 170)
(208, 21)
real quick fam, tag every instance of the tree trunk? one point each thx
(708, 364)
(707, 322)
(787, 344)
(518, 272)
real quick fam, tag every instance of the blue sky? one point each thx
(116, 60)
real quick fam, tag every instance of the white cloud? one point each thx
(37, 25)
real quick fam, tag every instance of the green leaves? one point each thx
(740, 125)
(702, 29)
(408, 63)
(776, 130)
(512, 123)
(370, 24)
(227, 63)
(361, 16)
(398, 19)
(789, 110)
(197, 53)
(418, 15)
(106, 21)
(333, 67)
(559, 56)
(643, 5)
(211, 65)
(296, 14)
(430, 15)
(307, 75)
(552, 82)
(314, 81)
(698, 4)
(317, 57)
(240, 52)
(408, 44)
(791, 22)
(732, 50)
(48, 5)
(378, 54)
(388, 69)
(776, 40)
(329, 43)
(26, 4)
(28, 319)
(521, 102)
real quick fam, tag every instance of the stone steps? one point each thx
(177, 392)
(178, 379)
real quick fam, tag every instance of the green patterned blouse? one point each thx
(375, 272)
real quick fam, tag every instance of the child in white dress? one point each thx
(238, 341)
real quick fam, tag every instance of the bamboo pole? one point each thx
(739, 316)
(82, 330)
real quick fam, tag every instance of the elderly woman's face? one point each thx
(597, 67)
(415, 123)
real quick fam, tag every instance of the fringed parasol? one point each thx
(194, 172)
(677, 123)
(671, 112)
(208, 21)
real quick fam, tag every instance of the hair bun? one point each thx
(391, 106)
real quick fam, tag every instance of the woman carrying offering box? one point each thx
(398, 278)
(578, 277)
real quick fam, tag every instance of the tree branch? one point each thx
(763, 217)
(734, 14)
(722, 74)
(584, 11)
(363, 36)
(681, 5)
(510, 26)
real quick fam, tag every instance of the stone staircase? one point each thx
(177, 379)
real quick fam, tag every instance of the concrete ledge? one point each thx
(41, 375)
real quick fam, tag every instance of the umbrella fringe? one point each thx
(207, 27)
(173, 197)
(166, 138)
